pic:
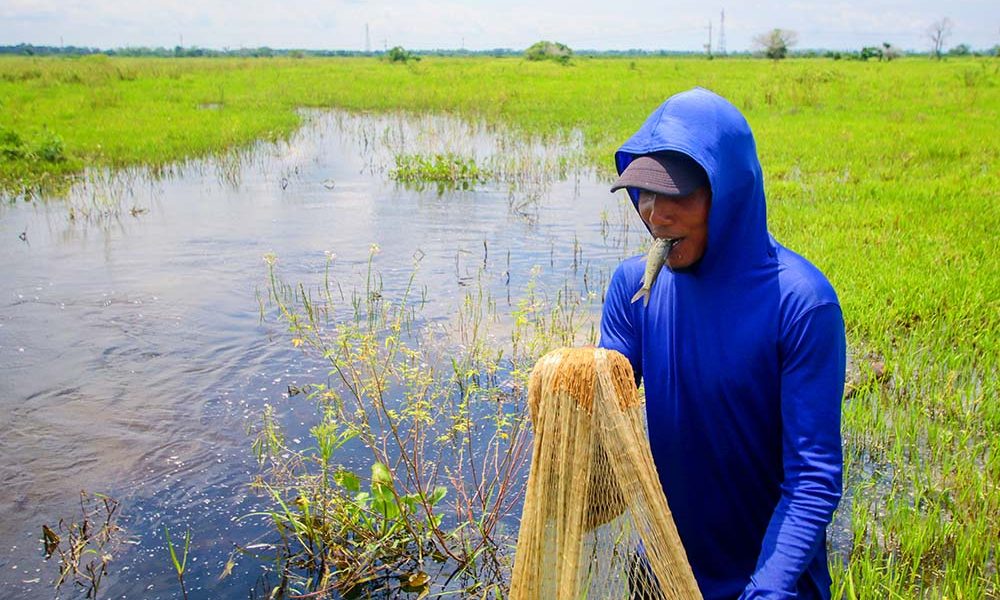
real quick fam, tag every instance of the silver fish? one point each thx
(654, 262)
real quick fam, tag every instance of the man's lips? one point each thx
(664, 233)
(671, 239)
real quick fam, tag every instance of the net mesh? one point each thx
(595, 522)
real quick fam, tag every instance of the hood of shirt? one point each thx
(710, 130)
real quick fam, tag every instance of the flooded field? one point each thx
(137, 346)
(148, 321)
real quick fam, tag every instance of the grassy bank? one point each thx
(883, 174)
(869, 118)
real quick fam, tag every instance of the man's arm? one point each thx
(618, 331)
(812, 386)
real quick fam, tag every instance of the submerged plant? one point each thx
(86, 546)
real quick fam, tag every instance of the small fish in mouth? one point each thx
(655, 260)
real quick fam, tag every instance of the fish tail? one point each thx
(642, 293)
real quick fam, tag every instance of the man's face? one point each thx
(679, 217)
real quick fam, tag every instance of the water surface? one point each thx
(133, 355)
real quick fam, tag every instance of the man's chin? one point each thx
(687, 268)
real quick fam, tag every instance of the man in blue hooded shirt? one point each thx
(742, 352)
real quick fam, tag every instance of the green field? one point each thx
(885, 175)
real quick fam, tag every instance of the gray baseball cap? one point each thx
(668, 173)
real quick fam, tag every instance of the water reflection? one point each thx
(132, 353)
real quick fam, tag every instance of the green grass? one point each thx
(883, 174)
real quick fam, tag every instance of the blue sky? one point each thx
(484, 24)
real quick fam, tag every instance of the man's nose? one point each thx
(662, 213)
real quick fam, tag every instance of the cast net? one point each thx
(595, 522)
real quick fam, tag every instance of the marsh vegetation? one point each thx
(437, 418)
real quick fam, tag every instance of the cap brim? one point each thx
(671, 176)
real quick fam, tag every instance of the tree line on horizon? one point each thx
(775, 44)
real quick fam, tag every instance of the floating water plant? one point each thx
(446, 170)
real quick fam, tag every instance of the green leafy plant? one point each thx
(11, 144)
(51, 148)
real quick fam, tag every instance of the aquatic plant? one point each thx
(86, 546)
(180, 565)
(442, 419)
(448, 171)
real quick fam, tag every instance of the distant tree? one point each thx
(400, 54)
(775, 43)
(871, 52)
(939, 31)
(960, 50)
(890, 52)
(544, 50)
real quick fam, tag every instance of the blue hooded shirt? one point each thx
(743, 359)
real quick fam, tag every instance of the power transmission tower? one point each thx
(708, 46)
(722, 33)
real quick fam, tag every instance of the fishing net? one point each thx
(595, 522)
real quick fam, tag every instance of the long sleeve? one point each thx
(812, 382)
(618, 332)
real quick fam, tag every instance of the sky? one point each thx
(484, 24)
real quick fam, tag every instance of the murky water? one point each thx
(132, 351)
